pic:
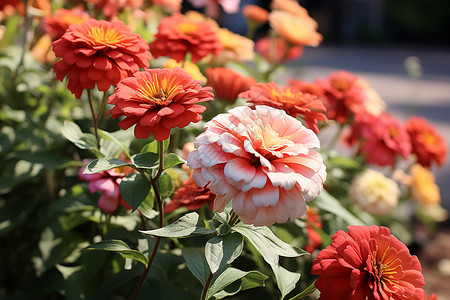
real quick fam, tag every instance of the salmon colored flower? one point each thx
(191, 68)
(308, 87)
(276, 50)
(368, 263)
(177, 35)
(191, 196)
(424, 189)
(107, 183)
(227, 83)
(157, 100)
(111, 8)
(212, 7)
(382, 138)
(433, 296)
(57, 24)
(373, 104)
(255, 13)
(99, 52)
(235, 47)
(301, 31)
(172, 6)
(374, 192)
(314, 238)
(345, 97)
(262, 160)
(295, 103)
(427, 143)
(289, 6)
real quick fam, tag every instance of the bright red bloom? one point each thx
(191, 196)
(227, 83)
(157, 100)
(276, 50)
(368, 263)
(294, 102)
(433, 296)
(112, 8)
(314, 239)
(99, 52)
(383, 138)
(57, 24)
(307, 87)
(427, 143)
(177, 35)
(345, 97)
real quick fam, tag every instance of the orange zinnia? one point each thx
(427, 143)
(227, 83)
(255, 13)
(57, 24)
(157, 100)
(235, 47)
(99, 52)
(290, 6)
(294, 102)
(177, 35)
(424, 189)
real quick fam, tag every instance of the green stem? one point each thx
(102, 106)
(94, 118)
(207, 284)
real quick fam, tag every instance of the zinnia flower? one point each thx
(297, 30)
(107, 183)
(276, 50)
(57, 24)
(368, 263)
(383, 138)
(295, 103)
(212, 8)
(427, 143)
(227, 83)
(235, 47)
(112, 8)
(191, 68)
(345, 97)
(424, 189)
(374, 192)
(255, 13)
(99, 52)
(314, 239)
(289, 6)
(172, 6)
(157, 100)
(177, 35)
(373, 104)
(191, 196)
(263, 160)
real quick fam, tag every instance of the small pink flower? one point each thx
(212, 8)
(263, 160)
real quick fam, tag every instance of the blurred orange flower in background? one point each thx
(294, 102)
(235, 47)
(255, 13)
(99, 52)
(177, 35)
(427, 143)
(172, 6)
(290, 6)
(57, 24)
(227, 83)
(424, 189)
(276, 50)
(111, 8)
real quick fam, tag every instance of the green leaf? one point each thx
(306, 292)
(267, 243)
(146, 207)
(134, 188)
(103, 164)
(196, 263)
(187, 225)
(120, 247)
(230, 275)
(110, 136)
(286, 280)
(73, 133)
(330, 204)
(153, 147)
(145, 160)
(165, 185)
(223, 250)
(171, 160)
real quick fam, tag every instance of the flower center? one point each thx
(340, 84)
(386, 267)
(157, 92)
(105, 36)
(430, 138)
(188, 28)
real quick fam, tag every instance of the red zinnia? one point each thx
(427, 143)
(368, 263)
(178, 35)
(99, 52)
(157, 100)
(294, 102)
(227, 83)
(344, 96)
(191, 196)
(383, 138)
(277, 50)
(57, 24)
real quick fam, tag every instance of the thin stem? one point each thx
(102, 106)
(94, 118)
(207, 284)
(233, 219)
(153, 182)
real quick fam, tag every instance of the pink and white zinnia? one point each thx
(263, 160)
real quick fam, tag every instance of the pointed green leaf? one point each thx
(330, 204)
(187, 225)
(286, 280)
(171, 160)
(134, 188)
(120, 247)
(251, 280)
(267, 243)
(223, 250)
(73, 133)
(146, 206)
(196, 263)
(145, 160)
(103, 164)
(165, 185)
(153, 147)
(112, 137)
(306, 292)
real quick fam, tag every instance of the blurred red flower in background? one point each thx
(427, 143)
(276, 50)
(227, 83)
(368, 263)
(177, 35)
(110, 8)
(57, 24)
(314, 238)
(99, 52)
(157, 100)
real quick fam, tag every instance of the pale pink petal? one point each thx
(267, 196)
(108, 204)
(239, 169)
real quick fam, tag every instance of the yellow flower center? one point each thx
(105, 36)
(71, 19)
(188, 28)
(385, 270)
(340, 84)
(157, 92)
(430, 138)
